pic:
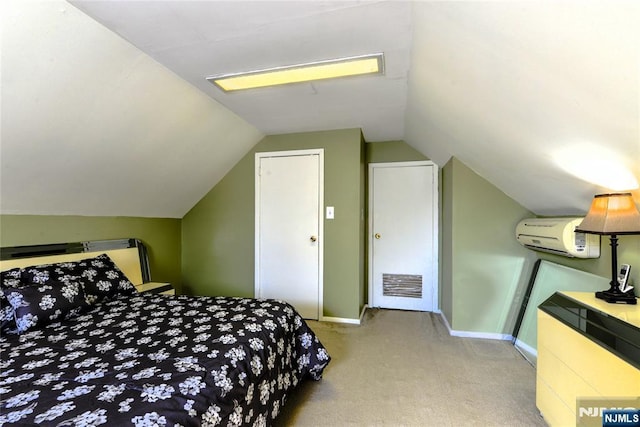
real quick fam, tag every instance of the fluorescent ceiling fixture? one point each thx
(320, 70)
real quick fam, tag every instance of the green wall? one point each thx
(363, 255)
(484, 268)
(218, 233)
(391, 151)
(446, 241)
(161, 236)
(628, 253)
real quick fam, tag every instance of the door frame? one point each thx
(290, 153)
(434, 280)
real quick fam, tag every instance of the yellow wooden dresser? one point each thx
(587, 348)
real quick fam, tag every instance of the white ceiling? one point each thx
(204, 38)
(510, 88)
(96, 125)
(93, 126)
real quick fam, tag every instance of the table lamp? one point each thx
(612, 214)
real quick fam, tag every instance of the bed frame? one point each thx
(130, 255)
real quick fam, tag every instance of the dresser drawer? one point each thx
(554, 411)
(602, 370)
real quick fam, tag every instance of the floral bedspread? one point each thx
(154, 359)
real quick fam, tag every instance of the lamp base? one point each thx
(617, 297)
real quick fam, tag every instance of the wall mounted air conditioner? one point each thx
(557, 236)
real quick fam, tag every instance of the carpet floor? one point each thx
(402, 368)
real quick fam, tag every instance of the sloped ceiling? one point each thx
(523, 91)
(107, 111)
(93, 126)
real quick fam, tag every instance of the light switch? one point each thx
(329, 212)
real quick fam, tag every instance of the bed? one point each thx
(81, 346)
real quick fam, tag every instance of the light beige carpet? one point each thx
(402, 368)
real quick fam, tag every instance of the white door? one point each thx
(289, 229)
(403, 236)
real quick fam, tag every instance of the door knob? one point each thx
(377, 235)
(313, 238)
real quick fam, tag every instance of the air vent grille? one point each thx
(402, 285)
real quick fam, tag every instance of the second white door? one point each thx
(403, 235)
(288, 229)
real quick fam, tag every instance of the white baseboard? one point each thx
(340, 320)
(472, 334)
(364, 308)
(530, 353)
(345, 319)
(446, 322)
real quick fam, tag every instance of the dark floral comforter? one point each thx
(155, 360)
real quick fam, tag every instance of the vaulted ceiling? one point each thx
(106, 110)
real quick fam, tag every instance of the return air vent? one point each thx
(402, 285)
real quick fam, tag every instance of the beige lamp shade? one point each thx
(611, 214)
